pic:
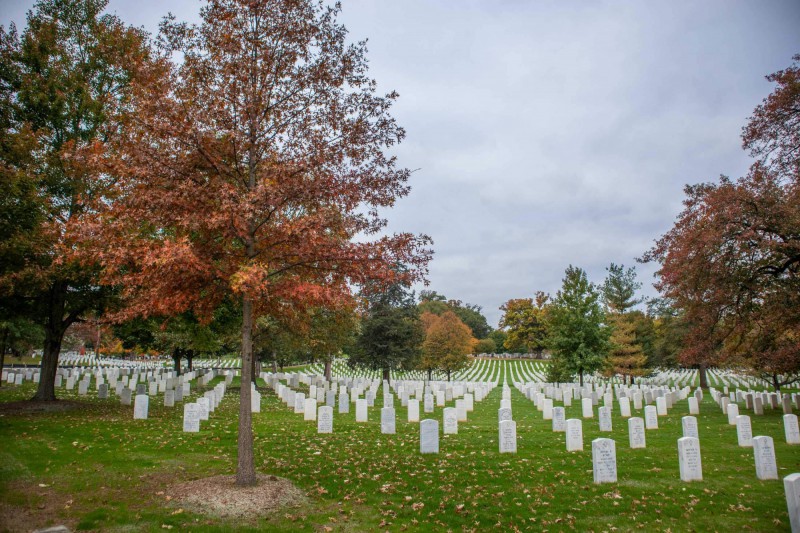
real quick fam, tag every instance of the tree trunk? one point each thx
(274, 362)
(430, 373)
(702, 375)
(328, 369)
(776, 384)
(246, 470)
(176, 357)
(46, 392)
(3, 354)
(448, 374)
(189, 357)
(580, 376)
(386, 375)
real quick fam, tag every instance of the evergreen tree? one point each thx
(391, 332)
(579, 336)
(627, 358)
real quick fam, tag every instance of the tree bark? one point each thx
(54, 328)
(328, 369)
(386, 375)
(703, 377)
(189, 357)
(430, 374)
(3, 354)
(448, 375)
(176, 357)
(246, 470)
(776, 384)
(580, 376)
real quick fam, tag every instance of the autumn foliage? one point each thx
(248, 170)
(731, 263)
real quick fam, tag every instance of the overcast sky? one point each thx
(549, 133)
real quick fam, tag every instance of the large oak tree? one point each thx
(248, 169)
(59, 82)
(731, 262)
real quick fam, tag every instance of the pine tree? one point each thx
(626, 357)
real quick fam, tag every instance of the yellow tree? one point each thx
(626, 357)
(447, 343)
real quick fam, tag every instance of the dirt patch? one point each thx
(42, 508)
(219, 496)
(36, 406)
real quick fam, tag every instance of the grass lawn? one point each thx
(95, 468)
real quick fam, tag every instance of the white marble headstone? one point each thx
(636, 433)
(764, 453)
(604, 461)
(575, 434)
(689, 459)
(429, 436)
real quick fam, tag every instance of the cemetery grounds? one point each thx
(89, 465)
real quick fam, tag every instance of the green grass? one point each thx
(102, 470)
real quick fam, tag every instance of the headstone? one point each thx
(636, 433)
(625, 407)
(202, 404)
(310, 409)
(604, 460)
(179, 393)
(255, 401)
(83, 386)
(429, 436)
(694, 407)
(361, 410)
(758, 405)
(547, 409)
(764, 452)
(413, 410)
(102, 391)
(504, 413)
(637, 401)
(744, 431)
(661, 406)
(586, 408)
(191, 417)
(508, 436)
(689, 425)
(388, 421)
(344, 403)
(428, 401)
(169, 398)
(299, 402)
(574, 434)
(325, 419)
(604, 414)
(650, 417)
(790, 429)
(733, 412)
(461, 410)
(140, 407)
(786, 402)
(791, 486)
(559, 419)
(125, 396)
(141, 388)
(450, 421)
(330, 398)
(689, 460)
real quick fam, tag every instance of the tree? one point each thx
(526, 324)
(59, 80)
(447, 343)
(433, 302)
(486, 345)
(619, 289)
(247, 171)
(626, 357)
(391, 332)
(579, 337)
(731, 262)
(499, 337)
